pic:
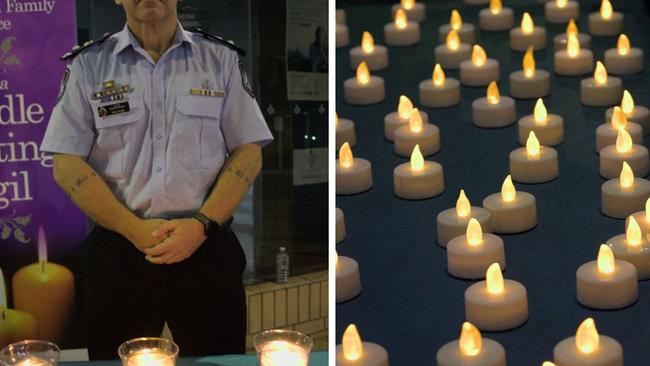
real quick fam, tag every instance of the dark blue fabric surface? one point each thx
(409, 303)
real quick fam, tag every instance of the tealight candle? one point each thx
(496, 304)
(479, 70)
(451, 54)
(395, 120)
(344, 132)
(342, 35)
(560, 41)
(624, 59)
(439, 91)
(527, 35)
(534, 163)
(607, 283)
(353, 352)
(348, 284)
(416, 132)
(471, 349)
(606, 22)
(621, 197)
(511, 211)
(634, 113)
(613, 156)
(633, 247)
(414, 10)
(340, 226)
(465, 31)
(364, 89)
(493, 110)
(573, 60)
(588, 348)
(496, 18)
(601, 90)
(341, 16)
(607, 133)
(643, 219)
(401, 32)
(418, 179)
(376, 56)
(561, 11)
(529, 83)
(470, 255)
(353, 175)
(475, 2)
(548, 128)
(273, 353)
(453, 222)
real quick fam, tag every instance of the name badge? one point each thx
(113, 109)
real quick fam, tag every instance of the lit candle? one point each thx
(353, 175)
(607, 283)
(621, 197)
(344, 132)
(416, 132)
(418, 179)
(470, 255)
(414, 10)
(588, 348)
(560, 41)
(601, 90)
(152, 357)
(634, 113)
(340, 226)
(633, 247)
(527, 35)
(465, 31)
(561, 11)
(534, 163)
(471, 349)
(479, 70)
(439, 91)
(613, 156)
(341, 17)
(624, 59)
(348, 282)
(15, 325)
(606, 22)
(496, 304)
(282, 353)
(32, 361)
(548, 127)
(530, 83)
(496, 18)
(453, 222)
(376, 56)
(452, 53)
(364, 89)
(401, 32)
(353, 352)
(493, 110)
(46, 291)
(573, 60)
(395, 120)
(511, 211)
(342, 35)
(607, 133)
(643, 219)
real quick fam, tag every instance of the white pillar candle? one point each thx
(453, 222)
(439, 91)
(573, 60)
(401, 32)
(395, 120)
(479, 70)
(527, 35)
(496, 304)
(353, 352)
(612, 157)
(364, 89)
(529, 83)
(548, 128)
(342, 35)
(588, 348)
(475, 2)
(493, 110)
(340, 226)
(624, 59)
(561, 11)
(607, 133)
(634, 113)
(451, 54)
(607, 283)
(643, 219)
(511, 211)
(496, 18)
(415, 11)
(623, 196)
(471, 350)
(633, 247)
(416, 132)
(353, 175)
(418, 179)
(470, 255)
(376, 56)
(341, 17)
(606, 22)
(345, 132)
(534, 163)
(466, 32)
(348, 283)
(601, 90)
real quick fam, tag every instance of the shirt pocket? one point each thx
(197, 136)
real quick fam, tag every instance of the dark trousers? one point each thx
(201, 298)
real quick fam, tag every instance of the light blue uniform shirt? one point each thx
(162, 156)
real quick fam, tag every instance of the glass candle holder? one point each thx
(282, 348)
(148, 352)
(30, 353)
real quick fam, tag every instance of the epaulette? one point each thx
(229, 44)
(78, 49)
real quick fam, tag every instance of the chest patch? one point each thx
(244, 80)
(113, 109)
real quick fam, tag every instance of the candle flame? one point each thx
(561, 3)
(363, 74)
(400, 19)
(627, 103)
(493, 95)
(496, 6)
(438, 76)
(470, 341)
(453, 40)
(539, 114)
(600, 74)
(527, 25)
(415, 121)
(474, 232)
(351, 343)
(508, 192)
(572, 45)
(455, 21)
(633, 233)
(623, 44)
(346, 159)
(42, 247)
(529, 63)
(494, 279)
(571, 28)
(587, 337)
(478, 55)
(417, 160)
(408, 4)
(606, 9)
(623, 141)
(336, 120)
(605, 261)
(647, 210)
(548, 363)
(532, 145)
(3, 292)
(627, 176)
(367, 42)
(463, 207)
(619, 119)
(405, 107)
(336, 258)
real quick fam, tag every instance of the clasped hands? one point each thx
(168, 241)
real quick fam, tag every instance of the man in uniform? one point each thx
(157, 137)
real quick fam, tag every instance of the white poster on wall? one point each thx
(309, 166)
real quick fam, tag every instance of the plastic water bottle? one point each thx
(282, 266)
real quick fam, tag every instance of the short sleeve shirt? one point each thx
(158, 133)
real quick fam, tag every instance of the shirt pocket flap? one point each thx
(197, 105)
(135, 113)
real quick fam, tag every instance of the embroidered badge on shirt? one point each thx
(111, 91)
(244, 81)
(64, 82)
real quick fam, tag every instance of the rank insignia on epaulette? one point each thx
(207, 92)
(111, 91)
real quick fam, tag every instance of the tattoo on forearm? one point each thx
(240, 174)
(80, 181)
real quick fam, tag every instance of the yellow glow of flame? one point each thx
(605, 260)
(474, 232)
(619, 119)
(415, 121)
(623, 141)
(400, 19)
(627, 103)
(647, 210)
(496, 6)
(456, 22)
(527, 25)
(478, 56)
(363, 74)
(600, 74)
(346, 159)
(351, 343)
(532, 145)
(417, 160)
(548, 363)
(508, 192)
(633, 233)
(539, 114)
(463, 207)
(587, 337)
(405, 107)
(336, 120)
(572, 45)
(528, 63)
(42, 246)
(494, 279)
(606, 9)
(452, 40)
(561, 3)
(438, 76)
(627, 176)
(571, 28)
(408, 4)
(336, 258)
(623, 45)
(493, 95)
(367, 42)
(470, 341)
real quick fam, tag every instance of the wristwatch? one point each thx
(211, 227)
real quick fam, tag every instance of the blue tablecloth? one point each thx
(315, 359)
(409, 303)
